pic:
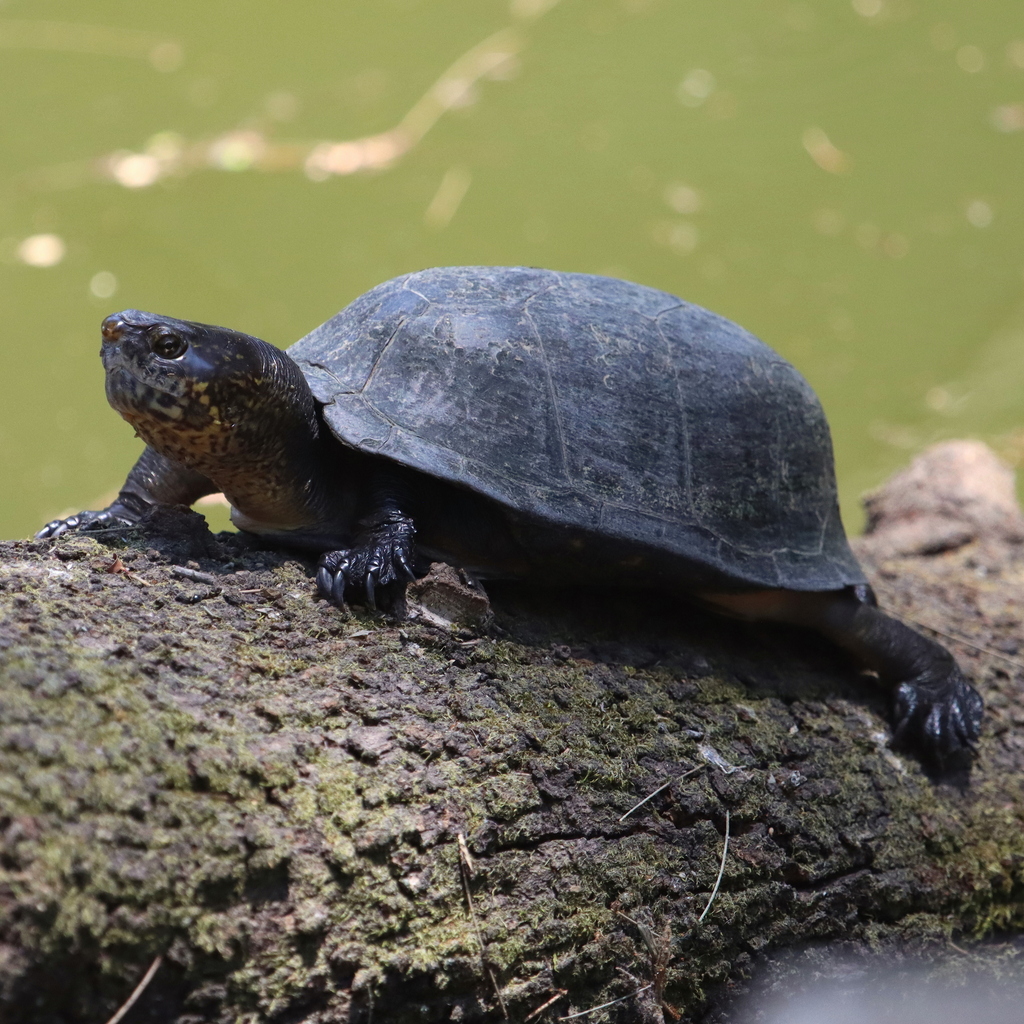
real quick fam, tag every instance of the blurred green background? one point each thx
(844, 179)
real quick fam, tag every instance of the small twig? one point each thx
(626, 917)
(659, 947)
(561, 993)
(467, 870)
(621, 999)
(139, 989)
(467, 859)
(191, 574)
(89, 531)
(665, 785)
(721, 871)
(981, 648)
(118, 568)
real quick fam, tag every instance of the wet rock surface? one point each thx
(199, 760)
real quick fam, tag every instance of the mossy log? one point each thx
(325, 818)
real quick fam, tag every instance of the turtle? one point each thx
(516, 422)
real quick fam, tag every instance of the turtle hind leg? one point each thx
(936, 710)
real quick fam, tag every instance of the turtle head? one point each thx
(224, 403)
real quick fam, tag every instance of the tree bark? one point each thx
(322, 818)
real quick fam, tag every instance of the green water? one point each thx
(843, 179)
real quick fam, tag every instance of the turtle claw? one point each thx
(332, 576)
(379, 569)
(83, 522)
(323, 582)
(402, 568)
(940, 713)
(330, 579)
(56, 527)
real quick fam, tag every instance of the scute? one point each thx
(595, 404)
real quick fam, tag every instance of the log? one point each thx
(312, 816)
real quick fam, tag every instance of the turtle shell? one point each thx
(596, 405)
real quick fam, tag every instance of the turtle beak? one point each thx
(112, 329)
(116, 335)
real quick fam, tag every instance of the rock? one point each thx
(952, 493)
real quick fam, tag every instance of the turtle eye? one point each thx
(168, 345)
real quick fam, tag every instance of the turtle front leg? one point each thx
(153, 480)
(382, 560)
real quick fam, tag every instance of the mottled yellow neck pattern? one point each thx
(261, 450)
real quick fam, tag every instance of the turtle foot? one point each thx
(376, 572)
(940, 714)
(85, 522)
